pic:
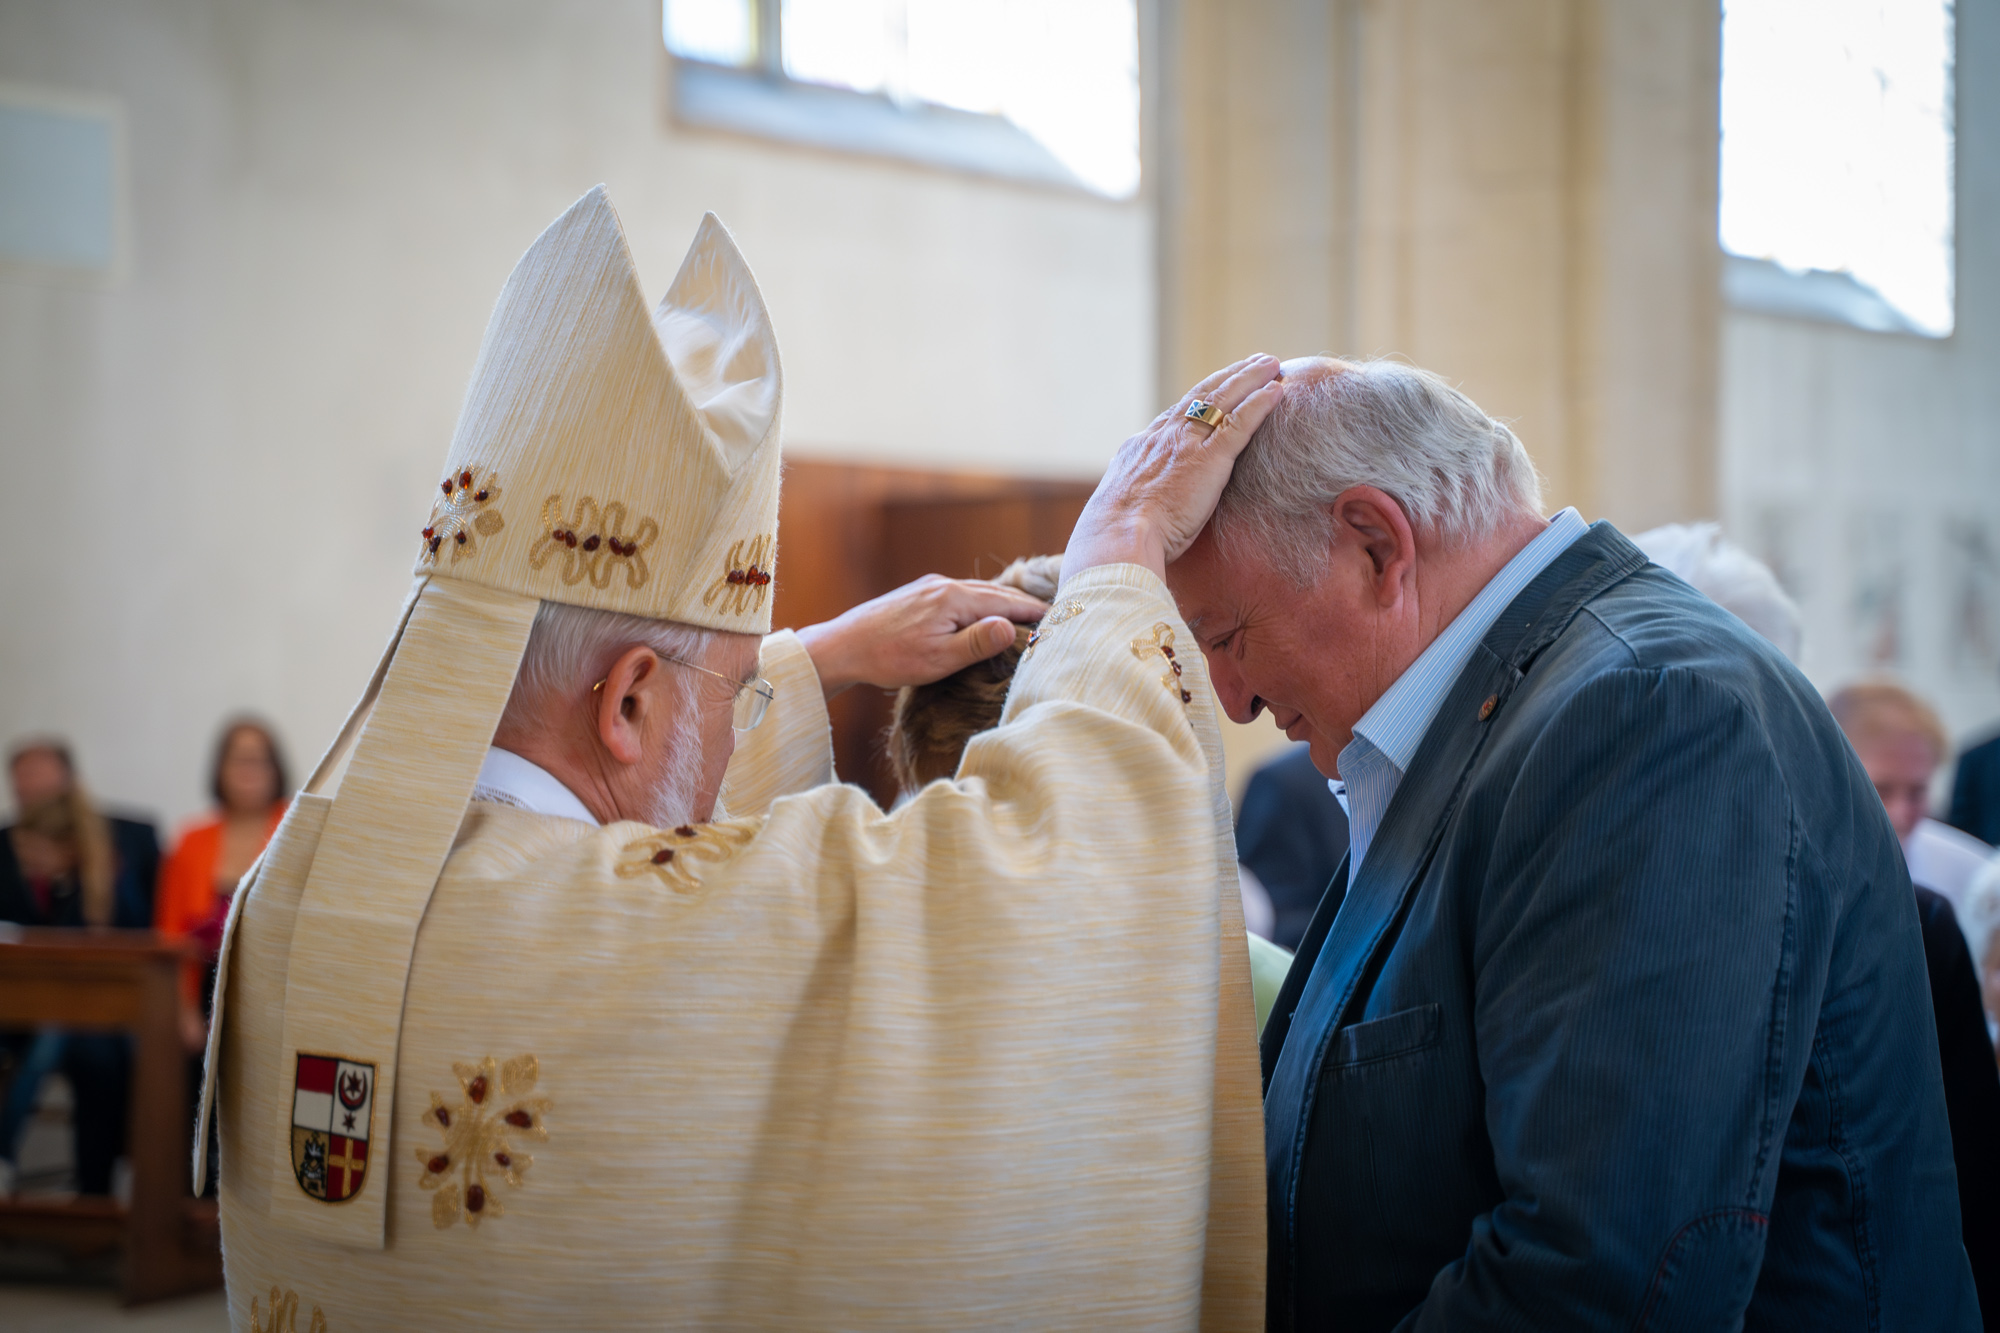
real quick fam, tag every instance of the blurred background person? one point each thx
(1901, 743)
(1291, 833)
(932, 724)
(41, 769)
(1729, 576)
(56, 870)
(1975, 792)
(248, 781)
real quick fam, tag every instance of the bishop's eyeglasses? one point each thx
(753, 697)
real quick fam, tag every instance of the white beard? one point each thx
(673, 800)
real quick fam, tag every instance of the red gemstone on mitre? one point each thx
(664, 855)
(736, 576)
(437, 1165)
(475, 1198)
(481, 495)
(430, 532)
(461, 539)
(503, 1159)
(1186, 697)
(446, 485)
(590, 542)
(477, 1089)
(465, 478)
(520, 1119)
(444, 1116)
(684, 831)
(569, 540)
(435, 543)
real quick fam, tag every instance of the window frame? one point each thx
(761, 101)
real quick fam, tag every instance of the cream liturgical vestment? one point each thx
(985, 1062)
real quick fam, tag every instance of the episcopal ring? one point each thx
(1208, 414)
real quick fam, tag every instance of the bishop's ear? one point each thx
(624, 702)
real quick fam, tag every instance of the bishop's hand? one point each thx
(921, 632)
(1163, 483)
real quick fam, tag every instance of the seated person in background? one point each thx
(1901, 743)
(1291, 833)
(932, 724)
(247, 779)
(41, 769)
(58, 859)
(1975, 792)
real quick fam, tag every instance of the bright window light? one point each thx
(722, 32)
(1837, 143)
(1065, 72)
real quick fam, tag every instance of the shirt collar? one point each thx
(1396, 724)
(508, 779)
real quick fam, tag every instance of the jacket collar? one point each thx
(1379, 896)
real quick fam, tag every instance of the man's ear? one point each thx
(624, 700)
(1382, 532)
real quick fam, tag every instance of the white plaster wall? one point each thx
(212, 474)
(1857, 463)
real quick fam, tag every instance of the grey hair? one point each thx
(571, 647)
(1457, 473)
(1729, 576)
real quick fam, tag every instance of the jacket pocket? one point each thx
(1385, 1038)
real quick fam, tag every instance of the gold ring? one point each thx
(1208, 414)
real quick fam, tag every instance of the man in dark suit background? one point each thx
(1291, 833)
(1975, 792)
(1622, 1020)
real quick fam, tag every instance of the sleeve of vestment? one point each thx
(1630, 938)
(792, 749)
(1046, 1002)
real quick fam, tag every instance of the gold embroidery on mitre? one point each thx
(284, 1314)
(745, 575)
(594, 543)
(1162, 642)
(672, 853)
(467, 508)
(478, 1134)
(1058, 615)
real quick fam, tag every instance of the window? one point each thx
(911, 78)
(1837, 158)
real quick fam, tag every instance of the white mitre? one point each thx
(604, 457)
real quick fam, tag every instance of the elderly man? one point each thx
(516, 1029)
(1616, 1016)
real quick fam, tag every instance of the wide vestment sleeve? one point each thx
(1034, 1088)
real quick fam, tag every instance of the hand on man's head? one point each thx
(1163, 483)
(921, 632)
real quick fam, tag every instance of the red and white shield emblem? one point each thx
(332, 1101)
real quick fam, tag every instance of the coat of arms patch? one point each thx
(332, 1101)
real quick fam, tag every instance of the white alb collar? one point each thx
(508, 779)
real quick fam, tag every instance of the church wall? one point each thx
(1865, 467)
(212, 471)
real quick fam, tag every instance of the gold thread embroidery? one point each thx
(1058, 615)
(745, 575)
(1162, 642)
(465, 509)
(284, 1314)
(672, 853)
(593, 541)
(478, 1144)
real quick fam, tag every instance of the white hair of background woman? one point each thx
(1729, 576)
(570, 648)
(1457, 472)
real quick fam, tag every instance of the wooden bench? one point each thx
(122, 980)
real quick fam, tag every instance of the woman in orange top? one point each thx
(198, 877)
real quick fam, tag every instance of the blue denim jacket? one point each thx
(1624, 1023)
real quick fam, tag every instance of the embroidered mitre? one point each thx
(612, 459)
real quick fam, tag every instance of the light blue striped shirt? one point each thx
(1388, 734)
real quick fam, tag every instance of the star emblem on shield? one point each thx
(333, 1104)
